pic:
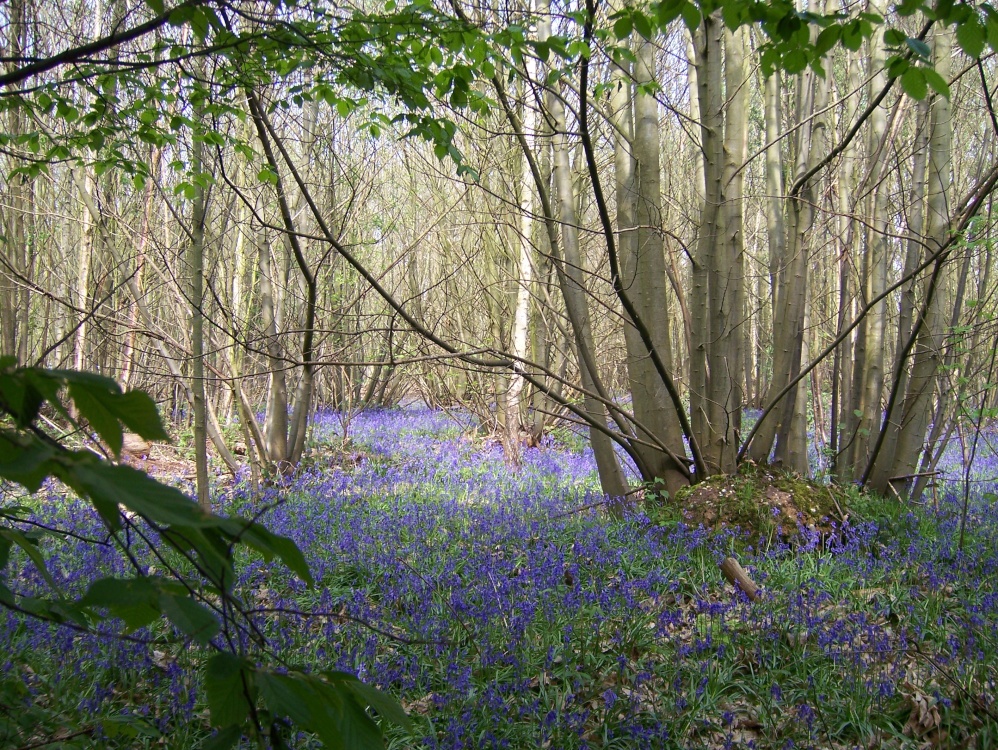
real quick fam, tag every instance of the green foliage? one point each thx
(390, 65)
(197, 592)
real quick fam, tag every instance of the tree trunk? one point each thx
(147, 320)
(195, 264)
(727, 278)
(643, 268)
(524, 280)
(928, 347)
(571, 279)
(276, 423)
(777, 236)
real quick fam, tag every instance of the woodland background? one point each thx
(642, 218)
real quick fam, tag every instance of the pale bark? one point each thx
(882, 464)
(708, 45)
(786, 422)
(15, 273)
(643, 268)
(842, 417)
(524, 281)
(84, 254)
(276, 422)
(717, 360)
(868, 361)
(917, 406)
(571, 278)
(195, 271)
(728, 275)
(777, 237)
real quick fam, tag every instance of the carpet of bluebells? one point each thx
(508, 610)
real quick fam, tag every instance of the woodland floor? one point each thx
(508, 610)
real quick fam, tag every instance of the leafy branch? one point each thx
(244, 696)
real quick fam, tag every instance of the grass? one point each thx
(507, 612)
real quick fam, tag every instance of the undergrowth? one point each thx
(512, 612)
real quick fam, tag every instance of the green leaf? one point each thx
(795, 61)
(919, 47)
(138, 412)
(691, 16)
(30, 547)
(827, 39)
(386, 706)
(971, 36)
(287, 696)
(642, 25)
(332, 711)
(230, 688)
(225, 738)
(90, 380)
(852, 36)
(211, 547)
(95, 411)
(199, 23)
(139, 493)
(134, 600)
(894, 37)
(270, 545)
(20, 396)
(191, 618)
(668, 11)
(354, 727)
(622, 27)
(733, 15)
(897, 65)
(27, 464)
(913, 82)
(936, 81)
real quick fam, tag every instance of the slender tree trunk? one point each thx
(572, 282)
(868, 361)
(880, 471)
(14, 301)
(149, 322)
(708, 46)
(643, 268)
(777, 237)
(276, 424)
(728, 275)
(195, 265)
(524, 281)
(928, 347)
(786, 421)
(128, 354)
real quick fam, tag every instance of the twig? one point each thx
(735, 573)
(54, 740)
(350, 618)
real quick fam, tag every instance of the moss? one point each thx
(763, 500)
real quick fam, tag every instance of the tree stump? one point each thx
(134, 445)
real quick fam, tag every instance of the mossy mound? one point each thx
(765, 501)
